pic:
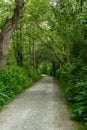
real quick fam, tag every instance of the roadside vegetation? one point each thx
(14, 80)
(74, 83)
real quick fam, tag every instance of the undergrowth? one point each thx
(14, 80)
(73, 80)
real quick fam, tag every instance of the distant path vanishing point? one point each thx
(41, 107)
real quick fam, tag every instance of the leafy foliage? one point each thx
(74, 78)
(6, 11)
(13, 80)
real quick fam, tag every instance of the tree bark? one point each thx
(8, 31)
(33, 53)
(18, 50)
(30, 51)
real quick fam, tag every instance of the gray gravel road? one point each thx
(40, 108)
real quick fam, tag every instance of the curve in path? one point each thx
(39, 108)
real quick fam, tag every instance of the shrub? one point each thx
(73, 79)
(14, 79)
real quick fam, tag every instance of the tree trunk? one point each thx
(8, 31)
(54, 68)
(18, 50)
(33, 52)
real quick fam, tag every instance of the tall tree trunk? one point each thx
(53, 68)
(18, 50)
(33, 52)
(8, 31)
(30, 51)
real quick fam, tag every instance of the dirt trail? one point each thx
(39, 108)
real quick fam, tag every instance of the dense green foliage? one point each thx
(73, 80)
(72, 75)
(51, 36)
(13, 80)
(6, 11)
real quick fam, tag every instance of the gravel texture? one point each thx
(41, 107)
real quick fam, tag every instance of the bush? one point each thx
(73, 79)
(13, 80)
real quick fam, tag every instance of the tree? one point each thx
(18, 47)
(8, 31)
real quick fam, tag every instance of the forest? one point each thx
(44, 37)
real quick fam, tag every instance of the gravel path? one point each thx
(39, 108)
